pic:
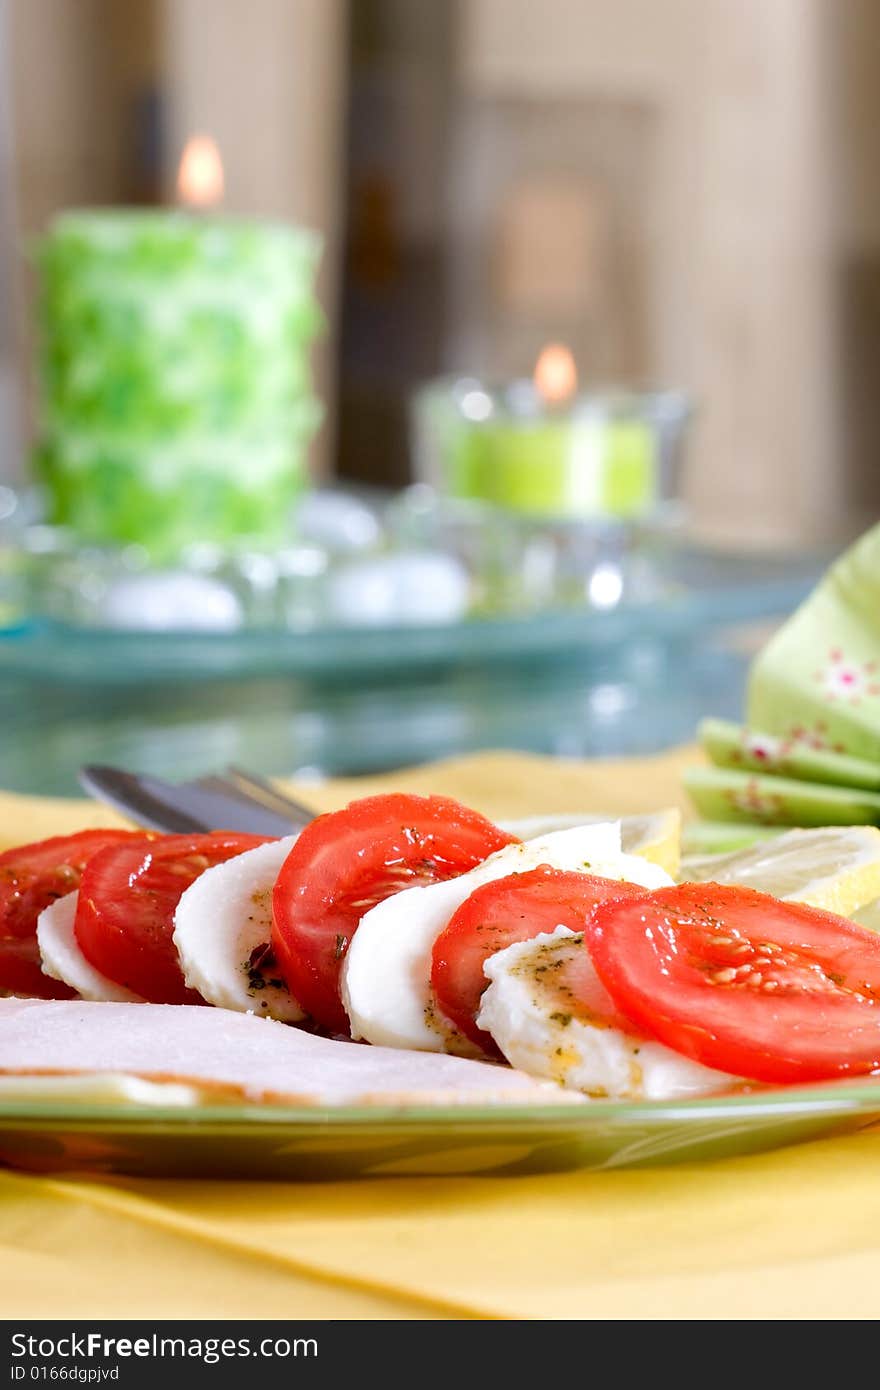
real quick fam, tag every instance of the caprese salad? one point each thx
(415, 923)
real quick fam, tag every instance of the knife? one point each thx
(192, 808)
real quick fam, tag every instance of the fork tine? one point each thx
(184, 808)
(249, 785)
(249, 792)
(214, 783)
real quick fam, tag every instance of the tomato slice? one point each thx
(774, 991)
(345, 863)
(125, 913)
(31, 878)
(510, 909)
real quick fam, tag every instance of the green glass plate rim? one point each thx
(831, 1098)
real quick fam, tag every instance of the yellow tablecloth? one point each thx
(792, 1234)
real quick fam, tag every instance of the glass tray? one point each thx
(569, 683)
(315, 1144)
(703, 589)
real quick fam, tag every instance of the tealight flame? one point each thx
(200, 176)
(555, 375)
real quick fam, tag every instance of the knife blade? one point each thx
(180, 808)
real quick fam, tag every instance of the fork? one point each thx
(235, 800)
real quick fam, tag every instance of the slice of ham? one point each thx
(240, 1056)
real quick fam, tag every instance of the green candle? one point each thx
(176, 400)
(594, 457)
(559, 467)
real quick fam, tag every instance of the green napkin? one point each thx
(722, 795)
(735, 746)
(809, 753)
(817, 682)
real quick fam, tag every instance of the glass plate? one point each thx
(280, 1143)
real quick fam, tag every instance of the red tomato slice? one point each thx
(742, 982)
(125, 913)
(511, 909)
(346, 862)
(31, 877)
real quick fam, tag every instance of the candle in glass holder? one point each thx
(176, 398)
(542, 448)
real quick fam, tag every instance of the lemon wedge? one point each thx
(655, 836)
(834, 867)
(869, 915)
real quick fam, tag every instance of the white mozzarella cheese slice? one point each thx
(386, 973)
(551, 1016)
(222, 931)
(64, 961)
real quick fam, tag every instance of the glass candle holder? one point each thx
(612, 456)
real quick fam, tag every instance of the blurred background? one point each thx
(684, 194)
(685, 191)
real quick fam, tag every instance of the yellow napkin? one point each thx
(792, 1234)
(498, 784)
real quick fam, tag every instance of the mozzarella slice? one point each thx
(386, 974)
(64, 961)
(551, 1016)
(222, 930)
